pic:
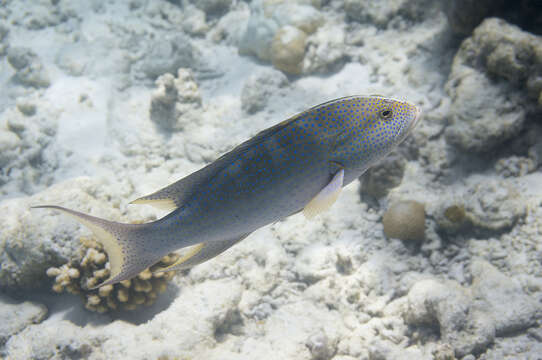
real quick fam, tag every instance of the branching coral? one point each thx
(92, 268)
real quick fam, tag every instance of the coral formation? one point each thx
(465, 15)
(277, 31)
(383, 177)
(288, 50)
(455, 213)
(176, 101)
(231, 27)
(447, 304)
(26, 131)
(91, 269)
(470, 318)
(474, 126)
(30, 70)
(326, 50)
(494, 206)
(194, 21)
(488, 68)
(515, 166)
(485, 208)
(257, 38)
(382, 13)
(405, 220)
(302, 16)
(451, 216)
(166, 55)
(258, 89)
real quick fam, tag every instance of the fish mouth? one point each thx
(416, 120)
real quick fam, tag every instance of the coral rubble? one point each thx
(79, 276)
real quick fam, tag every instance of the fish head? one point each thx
(377, 125)
(390, 120)
(386, 122)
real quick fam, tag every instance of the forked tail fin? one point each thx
(125, 245)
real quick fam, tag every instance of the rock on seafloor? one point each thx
(465, 15)
(381, 13)
(259, 88)
(177, 100)
(488, 67)
(16, 317)
(469, 319)
(105, 102)
(30, 70)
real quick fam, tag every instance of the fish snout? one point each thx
(417, 118)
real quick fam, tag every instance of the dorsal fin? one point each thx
(174, 195)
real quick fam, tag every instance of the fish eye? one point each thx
(386, 114)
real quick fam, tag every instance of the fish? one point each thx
(298, 165)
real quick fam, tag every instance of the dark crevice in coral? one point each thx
(423, 334)
(465, 15)
(232, 325)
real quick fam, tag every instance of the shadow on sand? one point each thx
(71, 308)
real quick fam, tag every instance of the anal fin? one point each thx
(326, 197)
(202, 252)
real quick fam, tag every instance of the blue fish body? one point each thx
(300, 163)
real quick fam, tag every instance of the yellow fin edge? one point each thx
(111, 246)
(317, 206)
(326, 197)
(109, 242)
(193, 251)
(162, 204)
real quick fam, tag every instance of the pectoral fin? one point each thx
(326, 197)
(201, 253)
